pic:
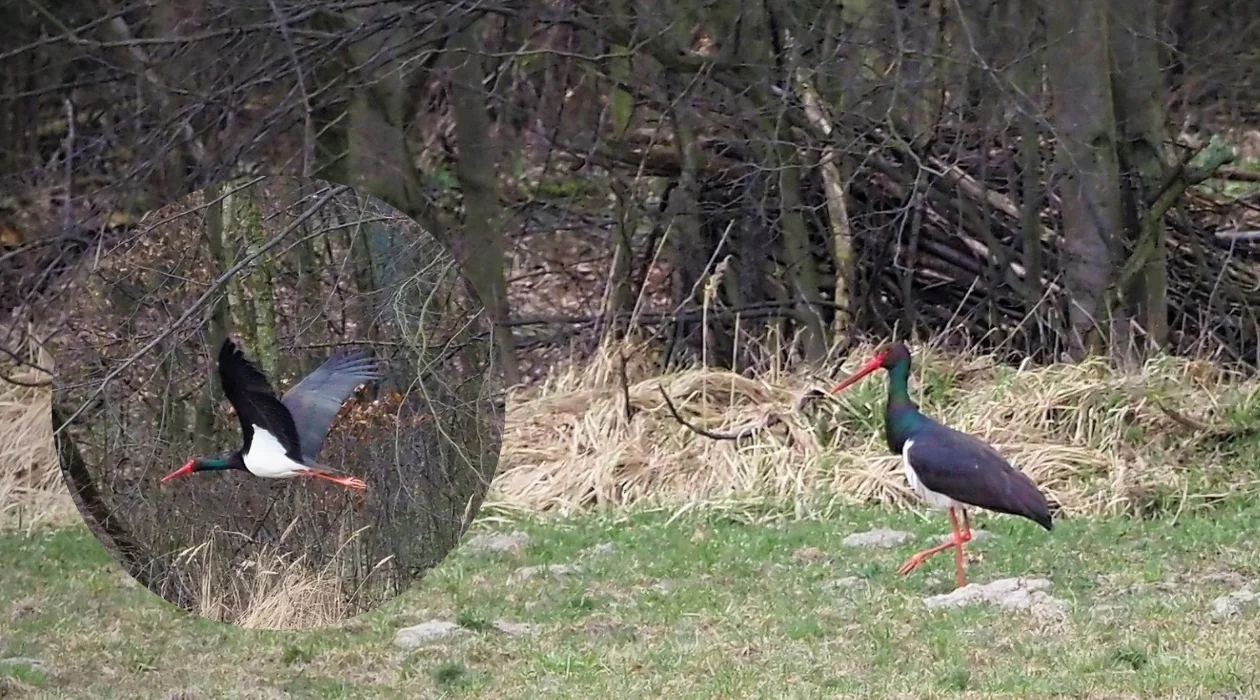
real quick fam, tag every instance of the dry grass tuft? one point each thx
(31, 490)
(269, 591)
(1093, 438)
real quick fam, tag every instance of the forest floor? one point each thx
(698, 605)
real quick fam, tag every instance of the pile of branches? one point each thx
(940, 252)
(958, 269)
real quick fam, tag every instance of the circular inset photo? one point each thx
(277, 402)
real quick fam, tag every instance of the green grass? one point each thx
(704, 606)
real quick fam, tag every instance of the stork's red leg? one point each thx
(353, 482)
(913, 562)
(959, 538)
(956, 541)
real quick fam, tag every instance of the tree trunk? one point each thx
(689, 260)
(204, 419)
(617, 299)
(1027, 76)
(1088, 168)
(477, 170)
(262, 298)
(377, 160)
(238, 304)
(1142, 127)
(800, 274)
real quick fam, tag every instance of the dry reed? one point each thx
(268, 591)
(1090, 436)
(31, 490)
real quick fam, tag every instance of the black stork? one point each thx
(948, 469)
(283, 437)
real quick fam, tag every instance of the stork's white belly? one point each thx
(932, 498)
(266, 458)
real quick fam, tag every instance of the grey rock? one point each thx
(426, 633)
(513, 542)
(1233, 604)
(513, 629)
(977, 535)
(879, 537)
(1029, 594)
(556, 571)
(846, 583)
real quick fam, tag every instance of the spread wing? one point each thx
(255, 401)
(969, 471)
(315, 401)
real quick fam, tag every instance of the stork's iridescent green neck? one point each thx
(901, 415)
(209, 464)
(899, 383)
(206, 464)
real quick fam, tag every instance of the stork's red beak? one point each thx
(874, 364)
(186, 469)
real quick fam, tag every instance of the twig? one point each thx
(1232, 173)
(1224, 433)
(808, 397)
(1238, 235)
(771, 419)
(625, 385)
(1181, 418)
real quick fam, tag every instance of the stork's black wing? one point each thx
(969, 471)
(255, 401)
(316, 400)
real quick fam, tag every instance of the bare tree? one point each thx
(787, 177)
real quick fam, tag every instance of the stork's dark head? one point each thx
(888, 356)
(204, 464)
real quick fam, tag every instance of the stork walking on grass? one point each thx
(948, 469)
(282, 437)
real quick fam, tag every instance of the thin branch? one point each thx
(771, 419)
(1238, 235)
(625, 386)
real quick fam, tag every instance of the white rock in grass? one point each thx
(846, 583)
(604, 548)
(513, 629)
(1233, 604)
(513, 542)
(1226, 578)
(426, 633)
(556, 571)
(977, 535)
(879, 537)
(1007, 593)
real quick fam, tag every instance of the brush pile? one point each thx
(966, 263)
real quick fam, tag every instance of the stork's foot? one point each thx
(913, 562)
(353, 482)
(956, 542)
